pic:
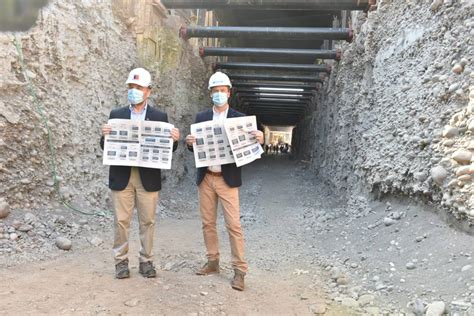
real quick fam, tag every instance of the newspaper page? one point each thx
(212, 146)
(245, 146)
(139, 144)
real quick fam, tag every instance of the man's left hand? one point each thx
(175, 134)
(259, 136)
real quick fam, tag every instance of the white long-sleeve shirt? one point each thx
(219, 117)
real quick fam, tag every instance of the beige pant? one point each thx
(212, 189)
(134, 195)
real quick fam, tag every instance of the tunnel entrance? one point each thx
(277, 53)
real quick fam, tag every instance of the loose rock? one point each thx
(4, 209)
(63, 243)
(438, 174)
(435, 309)
(318, 308)
(462, 156)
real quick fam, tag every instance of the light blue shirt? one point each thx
(140, 116)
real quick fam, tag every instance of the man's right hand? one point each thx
(190, 140)
(106, 129)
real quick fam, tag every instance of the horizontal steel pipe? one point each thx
(273, 66)
(269, 52)
(273, 92)
(294, 109)
(272, 100)
(274, 113)
(301, 110)
(275, 101)
(275, 105)
(274, 78)
(263, 97)
(324, 5)
(253, 94)
(289, 33)
(239, 84)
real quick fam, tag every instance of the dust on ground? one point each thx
(308, 249)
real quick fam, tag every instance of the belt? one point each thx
(215, 174)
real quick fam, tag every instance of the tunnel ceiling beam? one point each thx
(272, 92)
(273, 66)
(273, 33)
(283, 107)
(270, 111)
(271, 97)
(238, 84)
(323, 5)
(275, 78)
(274, 101)
(270, 52)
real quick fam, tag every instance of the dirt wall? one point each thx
(397, 113)
(78, 56)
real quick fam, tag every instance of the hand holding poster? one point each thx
(139, 144)
(212, 146)
(231, 142)
(245, 146)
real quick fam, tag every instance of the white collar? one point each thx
(220, 113)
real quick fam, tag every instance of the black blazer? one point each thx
(120, 175)
(231, 173)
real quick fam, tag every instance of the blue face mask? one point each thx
(219, 98)
(135, 96)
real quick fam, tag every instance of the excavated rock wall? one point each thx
(78, 56)
(397, 114)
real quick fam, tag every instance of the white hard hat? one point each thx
(140, 77)
(219, 79)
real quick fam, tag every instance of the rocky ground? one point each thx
(309, 252)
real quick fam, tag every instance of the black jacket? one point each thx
(120, 175)
(231, 173)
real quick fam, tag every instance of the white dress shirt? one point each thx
(219, 117)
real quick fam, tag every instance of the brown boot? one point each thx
(238, 281)
(212, 266)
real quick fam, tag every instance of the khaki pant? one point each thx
(212, 189)
(134, 195)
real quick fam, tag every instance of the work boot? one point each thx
(212, 266)
(121, 270)
(147, 269)
(238, 281)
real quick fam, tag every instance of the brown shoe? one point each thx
(212, 266)
(238, 281)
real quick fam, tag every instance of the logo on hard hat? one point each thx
(136, 77)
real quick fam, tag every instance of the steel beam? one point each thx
(273, 92)
(238, 84)
(253, 95)
(267, 107)
(273, 110)
(298, 110)
(274, 78)
(273, 66)
(270, 52)
(250, 32)
(275, 105)
(318, 5)
(281, 101)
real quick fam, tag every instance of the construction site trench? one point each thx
(362, 203)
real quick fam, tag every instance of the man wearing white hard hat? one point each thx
(221, 183)
(136, 187)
